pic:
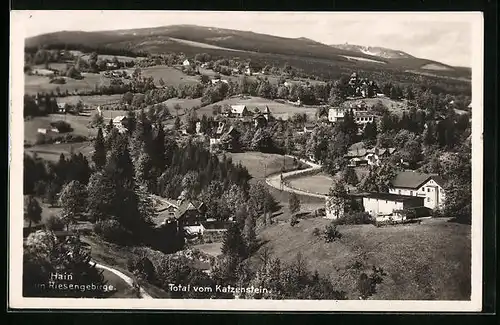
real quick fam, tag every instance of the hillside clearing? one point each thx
(170, 75)
(278, 110)
(52, 152)
(430, 261)
(36, 84)
(78, 123)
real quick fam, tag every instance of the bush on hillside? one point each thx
(62, 126)
(58, 81)
(331, 233)
(355, 218)
(54, 223)
(111, 230)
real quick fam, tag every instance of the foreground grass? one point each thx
(430, 261)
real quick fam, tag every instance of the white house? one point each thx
(239, 111)
(336, 114)
(387, 204)
(119, 123)
(111, 65)
(363, 118)
(427, 186)
(186, 63)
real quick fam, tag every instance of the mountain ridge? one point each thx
(162, 39)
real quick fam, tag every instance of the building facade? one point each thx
(427, 186)
(382, 204)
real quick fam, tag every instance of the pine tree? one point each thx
(99, 155)
(349, 126)
(32, 210)
(337, 198)
(293, 203)
(72, 201)
(249, 233)
(177, 123)
(350, 177)
(159, 158)
(233, 244)
(370, 133)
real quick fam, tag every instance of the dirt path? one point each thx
(275, 180)
(127, 279)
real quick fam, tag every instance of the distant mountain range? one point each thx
(375, 51)
(188, 37)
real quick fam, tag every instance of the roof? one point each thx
(361, 152)
(414, 180)
(392, 197)
(119, 119)
(187, 206)
(238, 109)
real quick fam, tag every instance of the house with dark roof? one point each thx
(428, 186)
(189, 216)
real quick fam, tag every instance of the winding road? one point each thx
(275, 180)
(126, 278)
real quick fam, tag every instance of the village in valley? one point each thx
(207, 167)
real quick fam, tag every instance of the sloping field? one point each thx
(92, 100)
(278, 110)
(78, 123)
(394, 106)
(170, 75)
(430, 261)
(34, 84)
(120, 58)
(51, 152)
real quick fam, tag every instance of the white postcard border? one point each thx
(16, 127)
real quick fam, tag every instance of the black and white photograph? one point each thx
(246, 160)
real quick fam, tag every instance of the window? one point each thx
(399, 192)
(428, 199)
(428, 189)
(411, 192)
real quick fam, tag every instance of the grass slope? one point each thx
(427, 261)
(278, 110)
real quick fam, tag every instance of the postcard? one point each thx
(274, 161)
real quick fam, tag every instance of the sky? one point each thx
(444, 37)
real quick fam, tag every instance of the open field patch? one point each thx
(93, 100)
(426, 261)
(278, 110)
(78, 123)
(35, 84)
(357, 58)
(203, 45)
(212, 249)
(394, 106)
(120, 58)
(185, 104)
(52, 152)
(319, 183)
(171, 76)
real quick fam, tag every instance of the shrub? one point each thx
(294, 220)
(62, 126)
(58, 81)
(367, 284)
(142, 268)
(331, 233)
(316, 232)
(54, 223)
(111, 230)
(355, 218)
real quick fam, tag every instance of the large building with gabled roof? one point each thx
(428, 186)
